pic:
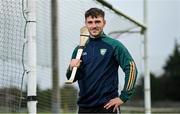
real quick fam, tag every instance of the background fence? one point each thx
(13, 50)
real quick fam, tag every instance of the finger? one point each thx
(78, 63)
(107, 104)
(110, 105)
(115, 108)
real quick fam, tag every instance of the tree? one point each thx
(165, 86)
(156, 93)
(172, 67)
(172, 75)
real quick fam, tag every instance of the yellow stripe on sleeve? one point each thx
(130, 75)
(133, 76)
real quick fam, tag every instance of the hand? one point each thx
(116, 102)
(75, 63)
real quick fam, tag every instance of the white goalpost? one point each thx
(31, 34)
(147, 89)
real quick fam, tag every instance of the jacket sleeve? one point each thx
(128, 66)
(69, 71)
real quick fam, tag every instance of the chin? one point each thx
(95, 35)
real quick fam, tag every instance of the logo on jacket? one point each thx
(84, 53)
(103, 51)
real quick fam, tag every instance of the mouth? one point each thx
(95, 30)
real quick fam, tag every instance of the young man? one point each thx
(97, 74)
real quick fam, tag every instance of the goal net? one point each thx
(13, 49)
(11, 54)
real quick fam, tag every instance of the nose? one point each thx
(93, 25)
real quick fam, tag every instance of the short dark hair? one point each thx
(94, 13)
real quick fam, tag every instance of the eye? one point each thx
(98, 21)
(89, 22)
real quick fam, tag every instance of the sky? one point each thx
(163, 27)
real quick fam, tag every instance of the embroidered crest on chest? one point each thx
(103, 51)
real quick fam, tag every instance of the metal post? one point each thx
(147, 90)
(31, 34)
(55, 59)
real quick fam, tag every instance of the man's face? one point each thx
(95, 25)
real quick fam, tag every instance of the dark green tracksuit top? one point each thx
(98, 74)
